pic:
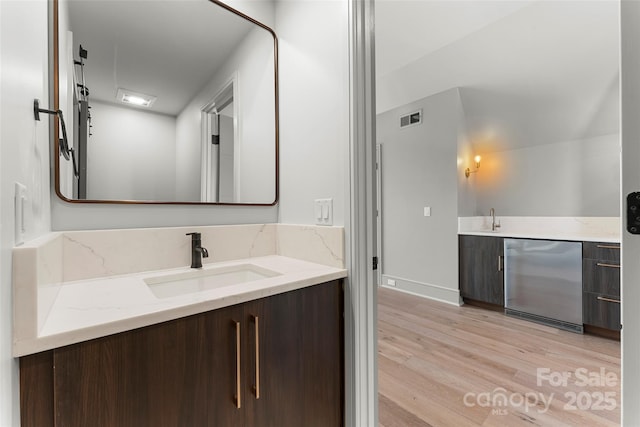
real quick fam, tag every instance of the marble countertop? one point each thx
(92, 308)
(580, 229)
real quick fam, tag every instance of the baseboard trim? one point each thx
(425, 290)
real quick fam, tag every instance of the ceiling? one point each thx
(409, 29)
(529, 73)
(164, 48)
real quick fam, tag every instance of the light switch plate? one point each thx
(324, 211)
(318, 209)
(19, 212)
(427, 211)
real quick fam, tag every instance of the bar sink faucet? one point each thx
(494, 225)
(197, 251)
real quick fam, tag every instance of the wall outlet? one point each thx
(324, 211)
(391, 282)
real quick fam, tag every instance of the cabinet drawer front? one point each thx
(601, 251)
(601, 311)
(601, 277)
(482, 242)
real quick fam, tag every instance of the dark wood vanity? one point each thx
(275, 361)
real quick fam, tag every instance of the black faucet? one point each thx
(197, 251)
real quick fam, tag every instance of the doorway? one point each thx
(219, 171)
(490, 114)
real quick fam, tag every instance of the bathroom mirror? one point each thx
(165, 101)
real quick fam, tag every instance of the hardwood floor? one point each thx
(442, 365)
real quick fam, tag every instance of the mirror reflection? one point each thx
(166, 101)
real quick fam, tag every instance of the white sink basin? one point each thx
(190, 282)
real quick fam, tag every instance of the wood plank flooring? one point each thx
(442, 365)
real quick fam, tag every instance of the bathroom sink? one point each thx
(190, 282)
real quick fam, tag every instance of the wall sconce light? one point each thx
(468, 171)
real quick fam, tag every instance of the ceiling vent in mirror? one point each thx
(411, 119)
(135, 98)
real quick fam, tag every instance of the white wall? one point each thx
(227, 154)
(262, 10)
(188, 152)
(255, 156)
(572, 178)
(418, 168)
(466, 188)
(24, 157)
(131, 155)
(252, 63)
(314, 107)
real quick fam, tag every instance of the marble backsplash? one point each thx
(76, 255)
(46, 254)
(103, 253)
(322, 245)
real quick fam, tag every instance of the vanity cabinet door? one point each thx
(143, 377)
(321, 319)
(481, 265)
(176, 373)
(225, 348)
(300, 355)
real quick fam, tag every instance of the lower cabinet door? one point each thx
(300, 359)
(481, 263)
(178, 373)
(225, 349)
(155, 376)
(321, 355)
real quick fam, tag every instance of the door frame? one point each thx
(361, 349)
(228, 90)
(630, 182)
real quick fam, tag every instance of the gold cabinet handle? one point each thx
(608, 299)
(237, 396)
(601, 264)
(256, 387)
(608, 246)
